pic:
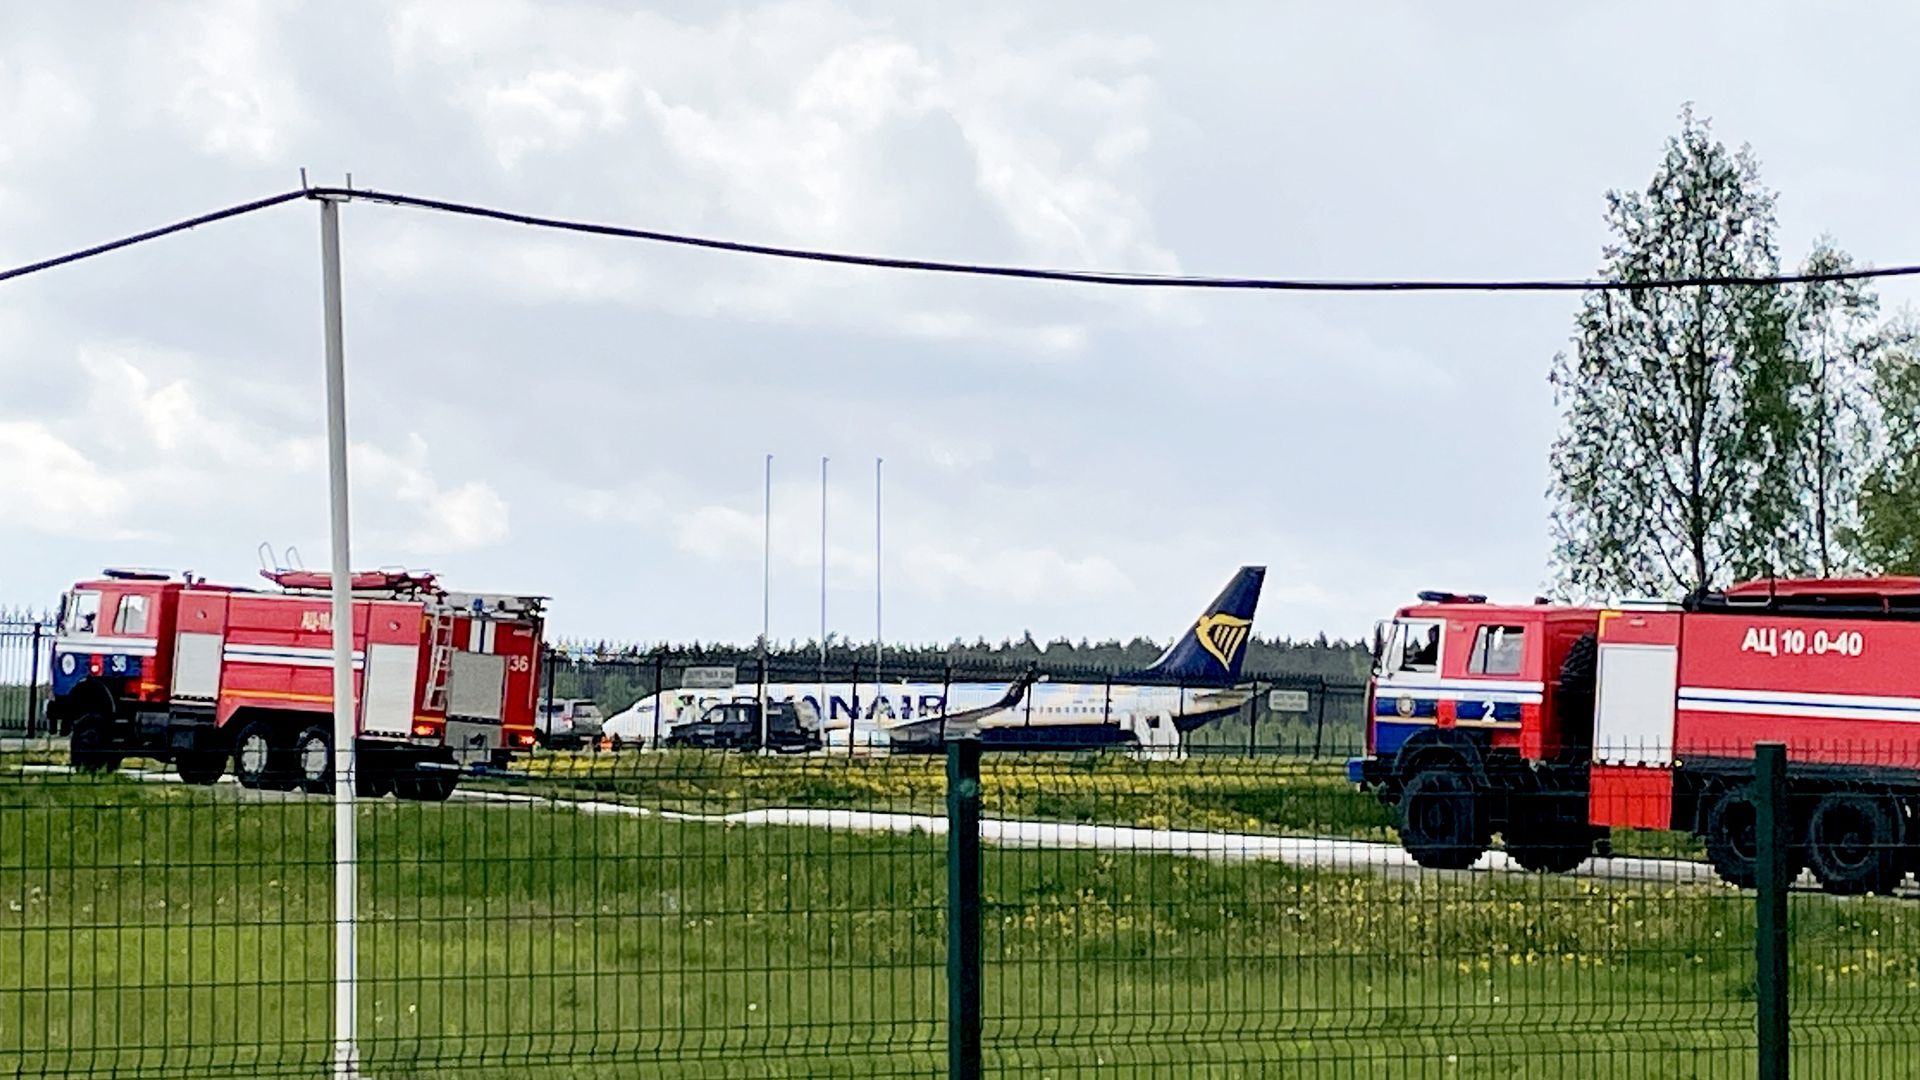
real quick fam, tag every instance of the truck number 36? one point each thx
(519, 663)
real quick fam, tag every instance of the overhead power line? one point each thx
(934, 266)
(150, 234)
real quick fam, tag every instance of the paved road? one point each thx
(19, 744)
(1326, 853)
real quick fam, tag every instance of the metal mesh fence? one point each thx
(700, 912)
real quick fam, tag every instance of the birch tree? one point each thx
(1839, 341)
(1683, 413)
(1886, 534)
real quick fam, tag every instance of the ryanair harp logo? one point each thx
(1222, 635)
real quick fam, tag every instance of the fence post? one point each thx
(964, 958)
(658, 663)
(552, 666)
(33, 682)
(946, 695)
(1320, 718)
(1773, 835)
(760, 688)
(1253, 717)
(853, 693)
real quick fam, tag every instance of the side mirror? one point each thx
(1379, 639)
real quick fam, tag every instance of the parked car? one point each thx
(567, 724)
(735, 725)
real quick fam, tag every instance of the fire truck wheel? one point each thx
(372, 780)
(258, 759)
(1733, 844)
(1853, 843)
(425, 785)
(89, 748)
(201, 767)
(1549, 833)
(313, 759)
(1443, 824)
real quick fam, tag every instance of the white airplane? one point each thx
(1190, 684)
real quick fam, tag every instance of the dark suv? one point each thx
(735, 725)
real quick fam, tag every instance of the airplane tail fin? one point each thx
(1211, 651)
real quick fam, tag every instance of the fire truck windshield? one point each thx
(1411, 647)
(79, 610)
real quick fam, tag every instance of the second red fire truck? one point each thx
(1552, 725)
(212, 677)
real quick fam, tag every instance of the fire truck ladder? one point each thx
(439, 664)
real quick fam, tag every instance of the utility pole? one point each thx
(346, 1054)
(766, 603)
(878, 687)
(826, 706)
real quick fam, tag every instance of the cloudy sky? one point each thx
(589, 418)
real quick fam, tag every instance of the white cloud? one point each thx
(160, 452)
(412, 511)
(625, 505)
(221, 78)
(43, 111)
(941, 570)
(41, 108)
(722, 533)
(832, 131)
(550, 110)
(50, 485)
(146, 403)
(931, 548)
(469, 516)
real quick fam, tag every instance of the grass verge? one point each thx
(162, 930)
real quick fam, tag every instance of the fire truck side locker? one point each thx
(1630, 783)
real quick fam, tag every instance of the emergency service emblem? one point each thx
(1404, 706)
(1222, 636)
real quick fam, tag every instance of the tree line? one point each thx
(1322, 657)
(1725, 432)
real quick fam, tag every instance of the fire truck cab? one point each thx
(1551, 725)
(1479, 721)
(210, 676)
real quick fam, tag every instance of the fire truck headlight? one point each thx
(425, 730)
(525, 738)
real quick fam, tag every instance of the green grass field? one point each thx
(161, 930)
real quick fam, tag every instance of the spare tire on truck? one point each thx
(1574, 694)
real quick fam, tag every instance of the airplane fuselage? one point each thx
(1090, 714)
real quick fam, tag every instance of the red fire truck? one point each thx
(1551, 725)
(207, 675)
